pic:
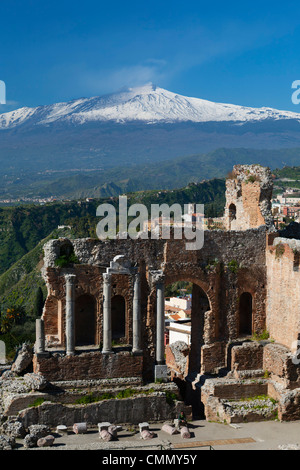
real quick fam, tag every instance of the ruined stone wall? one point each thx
(89, 365)
(89, 281)
(248, 194)
(229, 264)
(283, 297)
(247, 356)
(126, 411)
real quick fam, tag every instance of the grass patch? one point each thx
(279, 250)
(65, 260)
(233, 266)
(261, 337)
(257, 397)
(37, 402)
(91, 398)
(127, 393)
(171, 398)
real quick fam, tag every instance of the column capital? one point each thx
(107, 277)
(70, 278)
(157, 277)
(136, 276)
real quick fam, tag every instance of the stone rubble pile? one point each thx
(23, 359)
(36, 382)
(7, 443)
(13, 428)
(36, 432)
(265, 408)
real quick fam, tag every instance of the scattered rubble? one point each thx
(169, 429)
(35, 381)
(13, 428)
(80, 428)
(7, 443)
(23, 359)
(46, 441)
(184, 432)
(36, 432)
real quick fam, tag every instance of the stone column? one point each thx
(70, 314)
(160, 320)
(40, 336)
(107, 348)
(136, 317)
(161, 369)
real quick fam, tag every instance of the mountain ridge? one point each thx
(148, 104)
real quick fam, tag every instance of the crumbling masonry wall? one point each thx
(229, 264)
(230, 267)
(248, 196)
(283, 297)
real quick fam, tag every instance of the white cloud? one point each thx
(105, 81)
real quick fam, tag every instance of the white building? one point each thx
(184, 303)
(288, 200)
(180, 331)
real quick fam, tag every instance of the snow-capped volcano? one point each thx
(148, 104)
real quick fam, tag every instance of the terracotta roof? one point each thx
(175, 317)
(172, 309)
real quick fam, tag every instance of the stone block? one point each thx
(161, 372)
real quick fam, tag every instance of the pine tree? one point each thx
(39, 303)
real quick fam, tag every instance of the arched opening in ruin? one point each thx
(186, 303)
(185, 307)
(85, 320)
(232, 212)
(245, 314)
(66, 248)
(118, 317)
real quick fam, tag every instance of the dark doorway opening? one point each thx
(118, 309)
(245, 314)
(85, 320)
(232, 212)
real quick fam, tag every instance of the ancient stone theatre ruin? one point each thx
(104, 316)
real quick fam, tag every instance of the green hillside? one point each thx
(22, 295)
(165, 174)
(25, 229)
(287, 177)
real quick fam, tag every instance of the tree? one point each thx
(38, 303)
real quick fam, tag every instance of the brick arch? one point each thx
(204, 330)
(172, 278)
(206, 283)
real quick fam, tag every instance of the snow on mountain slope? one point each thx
(149, 104)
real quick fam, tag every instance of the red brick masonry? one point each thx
(89, 365)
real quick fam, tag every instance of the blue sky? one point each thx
(238, 52)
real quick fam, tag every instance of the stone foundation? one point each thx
(88, 365)
(247, 356)
(122, 411)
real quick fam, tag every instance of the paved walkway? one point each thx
(249, 436)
